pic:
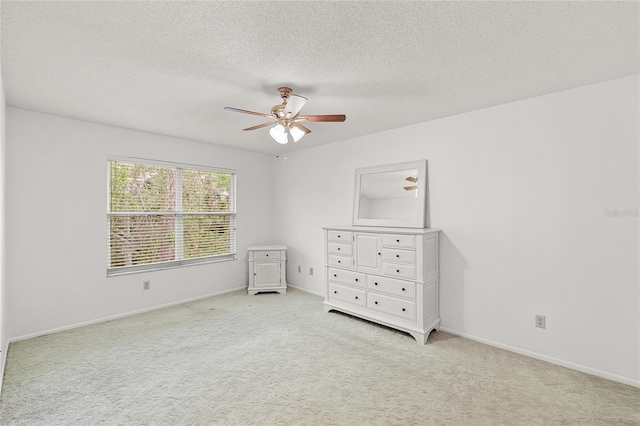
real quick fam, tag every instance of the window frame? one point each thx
(179, 216)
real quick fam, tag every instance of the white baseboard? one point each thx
(113, 317)
(306, 290)
(567, 364)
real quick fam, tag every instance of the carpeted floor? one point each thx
(280, 360)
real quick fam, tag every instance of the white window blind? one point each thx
(168, 215)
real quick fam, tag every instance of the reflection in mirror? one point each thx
(392, 195)
(389, 195)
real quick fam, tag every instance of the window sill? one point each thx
(169, 265)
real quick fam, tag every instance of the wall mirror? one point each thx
(393, 195)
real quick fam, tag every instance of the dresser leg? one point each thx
(421, 339)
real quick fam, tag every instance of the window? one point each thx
(162, 215)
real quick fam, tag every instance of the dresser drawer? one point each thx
(342, 249)
(399, 271)
(347, 277)
(404, 309)
(406, 289)
(343, 262)
(399, 240)
(399, 256)
(266, 255)
(340, 236)
(347, 294)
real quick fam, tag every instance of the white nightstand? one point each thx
(267, 269)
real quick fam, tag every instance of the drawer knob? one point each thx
(397, 241)
(338, 248)
(335, 291)
(398, 270)
(338, 236)
(375, 302)
(267, 255)
(375, 283)
(356, 297)
(403, 309)
(404, 289)
(339, 261)
(379, 254)
(335, 275)
(397, 255)
(356, 280)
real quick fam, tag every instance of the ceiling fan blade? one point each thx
(244, 111)
(260, 126)
(412, 179)
(323, 118)
(410, 188)
(301, 127)
(294, 105)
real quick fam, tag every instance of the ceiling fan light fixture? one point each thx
(279, 134)
(287, 117)
(296, 133)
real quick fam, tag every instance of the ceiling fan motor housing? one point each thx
(278, 110)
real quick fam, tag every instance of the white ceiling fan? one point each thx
(286, 119)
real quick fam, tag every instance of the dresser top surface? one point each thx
(267, 247)
(381, 229)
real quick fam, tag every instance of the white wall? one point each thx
(4, 339)
(56, 211)
(519, 191)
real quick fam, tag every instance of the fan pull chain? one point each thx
(278, 152)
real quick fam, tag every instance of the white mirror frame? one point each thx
(420, 218)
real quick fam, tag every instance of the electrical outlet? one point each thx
(310, 271)
(146, 285)
(541, 321)
(299, 268)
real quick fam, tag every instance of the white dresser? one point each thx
(385, 275)
(267, 269)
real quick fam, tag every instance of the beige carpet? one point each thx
(280, 360)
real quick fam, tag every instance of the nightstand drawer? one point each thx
(340, 236)
(347, 277)
(399, 240)
(399, 271)
(267, 255)
(347, 294)
(399, 256)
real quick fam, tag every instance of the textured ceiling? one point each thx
(171, 67)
